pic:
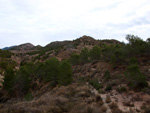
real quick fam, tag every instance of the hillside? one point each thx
(80, 76)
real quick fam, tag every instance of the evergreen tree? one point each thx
(9, 79)
(84, 56)
(135, 78)
(74, 59)
(24, 79)
(51, 71)
(65, 75)
(95, 53)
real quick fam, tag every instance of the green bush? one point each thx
(38, 69)
(108, 88)
(23, 80)
(7, 63)
(5, 53)
(74, 59)
(28, 96)
(95, 84)
(4, 64)
(121, 89)
(107, 75)
(9, 79)
(135, 78)
(133, 60)
(51, 71)
(107, 52)
(65, 73)
(95, 53)
(119, 56)
(84, 56)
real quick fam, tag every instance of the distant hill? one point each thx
(23, 48)
(8, 48)
(26, 46)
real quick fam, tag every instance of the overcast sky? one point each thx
(43, 21)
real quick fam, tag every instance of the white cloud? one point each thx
(43, 21)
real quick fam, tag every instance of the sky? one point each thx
(43, 21)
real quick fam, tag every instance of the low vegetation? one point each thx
(136, 79)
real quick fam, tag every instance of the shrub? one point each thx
(74, 59)
(146, 90)
(84, 56)
(107, 75)
(133, 60)
(95, 84)
(114, 108)
(51, 71)
(82, 79)
(95, 53)
(6, 63)
(119, 55)
(9, 79)
(108, 88)
(101, 91)
(3, 64)
(98, 98)
(128, 103)
(23, 79)
(65, 73)
(107, 52)
(121, 89)
(108, 99)
(28, 96)
(135, 78)
(5, 53)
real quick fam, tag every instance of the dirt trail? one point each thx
(103, 96)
